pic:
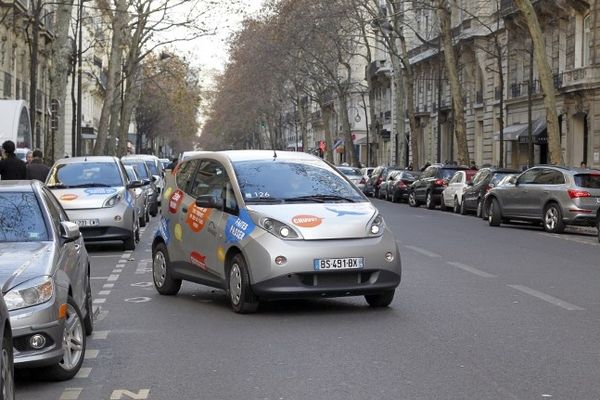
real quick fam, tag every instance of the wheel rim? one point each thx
(479, 208)
(411, 198)
(159, 269)
(428, 199)
(551, 218)
(491, 211)
(235, 284)
(72, 340)
(7, 376)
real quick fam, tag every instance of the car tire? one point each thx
(164, 282)
(479, 211)
(463, 210)
(412, 199)
(455, 206)
(553, 222)
(443, 206)
(7, 375)
(598, 227)
(382, 299)
(429, 202)
(240, 294)
(494, 216)
(74, 344)
(142, 221)
(147, 215)
(88, 320)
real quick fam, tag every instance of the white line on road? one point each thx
(100, 335)
(99, 277)
(70, 394)
(117, 271)
(91, 354)
(108, 286)
(423, 251)
(104, 293)
(472, 270)
(99, 301)
(122, 261)
(83, 373)
(546, 297)
(590, 241)
(126, 256)
(112, 278)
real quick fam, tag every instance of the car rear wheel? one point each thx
(429, 202)
(74, 343)
(598, 227)
(553, 222)
(7, 376)
(240, 294)
(164, 282)
(443, 205)
(382, 299)
(479, 208)
(455, 205)
(412, 199)
(494, 216)
(463, 210)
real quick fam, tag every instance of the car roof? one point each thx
(76, 160)
(20, 186)
(257, 155)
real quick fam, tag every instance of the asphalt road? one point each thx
(482, 313)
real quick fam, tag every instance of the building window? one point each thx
(586, 40)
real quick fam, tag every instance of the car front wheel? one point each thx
(494, 216)
(7, 377)
(382, 299)
(412, 199)
(553, 222)
(242, 298)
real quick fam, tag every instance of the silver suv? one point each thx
(556, 196)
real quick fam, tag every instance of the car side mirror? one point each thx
(155, 178)
(209, 201)
(135, 184)
(69, 231)
(146, 181)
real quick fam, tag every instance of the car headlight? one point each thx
(112, 201)
(278, 229)
(377, 226)
(29, 294)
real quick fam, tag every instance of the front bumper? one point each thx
(108, 227)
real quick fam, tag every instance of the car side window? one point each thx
(550, 177)
(212, 179)
(528, 177)
(184, 175)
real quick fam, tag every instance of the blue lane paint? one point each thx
(237, 228)
(341, 213)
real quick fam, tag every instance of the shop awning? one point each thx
(519, 132)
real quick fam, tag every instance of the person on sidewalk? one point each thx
(11, 167)
(36, 169)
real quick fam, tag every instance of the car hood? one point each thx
(20, 262)
(85, 198)
(322, 221)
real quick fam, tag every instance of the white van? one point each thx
(15, 125)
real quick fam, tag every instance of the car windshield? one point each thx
(21, 219)
(152, 167)
(85, 174)
(410, 176)
(131, 173)
(590, 181)
(139, 167)
(447, 173)
(292, 182)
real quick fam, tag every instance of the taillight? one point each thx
(577, 194)
(440, 182)
(401, 184)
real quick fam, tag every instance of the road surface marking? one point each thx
(138, 300)
(71, 394)
(423, 251)
(126, 394)
(104, 293)
(91, 354)
(116, 271)
(99, 277)
(100, 335)
(108, 286)
(99, 301)
(83, 373)
(122, 262)
(546, 297)
(472, 270)
(142, 284)
(589, 240)
(112, 278)
(101, 315)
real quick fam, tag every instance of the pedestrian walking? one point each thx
(11, 167)
(28, 157)
(36, 169)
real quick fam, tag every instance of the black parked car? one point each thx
(379, 176)
(398, 184)
(429, 187)
(484, 180)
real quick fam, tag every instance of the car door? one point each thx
(422, 184)
(472, 191)
(455, 186)
(517, 198)
(546, 183)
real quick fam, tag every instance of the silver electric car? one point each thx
(272, 225)
(97, 196)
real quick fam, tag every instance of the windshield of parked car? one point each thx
(589, 181)
(152, 167)
(21, 218)
(85, 174)
(139, 167)
(271, 181)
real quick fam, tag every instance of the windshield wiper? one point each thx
(265, 200)
(58, 186)
(320, 198)
(90, 185)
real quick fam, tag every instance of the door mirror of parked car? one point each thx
(135, 184)
(155, 178)
(146, 181)
(69, 231)
(209, 201)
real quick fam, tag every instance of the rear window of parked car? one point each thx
(21, 219)
(590, 181)
(447, 173)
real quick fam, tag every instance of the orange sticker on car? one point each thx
(307, 221)
(198, 260)
(68, 197)
(197, 217)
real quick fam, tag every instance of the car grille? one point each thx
(333, 279)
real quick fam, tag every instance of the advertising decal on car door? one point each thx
(197, 217)
(237, 228)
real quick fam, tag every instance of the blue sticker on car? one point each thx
(341, 213)
(163, 230)
(237, 228)
(99, 191)
(128, 198)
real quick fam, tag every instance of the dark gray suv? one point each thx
(555, 196)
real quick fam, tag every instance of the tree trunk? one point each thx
(349, 149)
(373, 121)
(34, 44)
(400, 155)
(119, 24)
(327, 112)
(546, 81)
(60, 56)
(409, 87)
(444, 17)
(132, 94)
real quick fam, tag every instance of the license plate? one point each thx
(83, 223)
(338, 263)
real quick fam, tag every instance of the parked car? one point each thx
(149, 180)
(165, 163)
(483, 181)
(452, 195)
(140, 197)
(379, 176)
(7, 371)
(598, 225)
(264, 227)
(430, 185)
(155, 167)
(354, 175)
(45, 278)
(397, 190)
(98, 197)
(555, 196)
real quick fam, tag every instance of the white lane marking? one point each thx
(128, 251)
(116, 271)
(423, 251)
(122, 262)
(142, 284)
(101, 315)
(108, 286)
(99, 301)
(112, 278)
(104, 293)
(125, 256)
(71, 394)
(138, 300)
(83, 373)
(91, 354)
(472, 270)
(590, 241)
(99, 277)
(100, 335)
(120, 393)
(546, 297)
